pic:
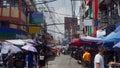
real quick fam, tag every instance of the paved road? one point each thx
(63, 61)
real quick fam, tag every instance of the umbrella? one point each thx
(15, 49)
(8, 46)
(78, 42)
(29, 47)
(30, 41)
(117, 45)
(16, 42)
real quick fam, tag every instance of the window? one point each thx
(6, 3)
(24, 7)
(15, 3)
(1, 2)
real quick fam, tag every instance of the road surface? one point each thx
(63, 61)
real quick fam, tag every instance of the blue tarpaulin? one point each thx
(117, 29)
(117, 24)
(112, 37)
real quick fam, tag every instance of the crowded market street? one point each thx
(63, 61)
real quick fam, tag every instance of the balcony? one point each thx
(13, 15)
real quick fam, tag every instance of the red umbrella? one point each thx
(78, 42)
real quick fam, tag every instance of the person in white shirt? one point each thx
(98, 60)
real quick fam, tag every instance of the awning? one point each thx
(12, 30)
(78, 42)
(91, 39)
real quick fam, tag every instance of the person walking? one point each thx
(98, 60)
(42, 59)
(29, 60)
(87, 59)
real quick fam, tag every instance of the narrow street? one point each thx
(63, 61)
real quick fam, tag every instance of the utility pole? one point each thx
(44, 28)
(73, 8)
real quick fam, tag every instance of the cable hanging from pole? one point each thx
(51, 16)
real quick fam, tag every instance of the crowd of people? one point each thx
(25, 59)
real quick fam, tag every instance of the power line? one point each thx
(56, 24)
(55, 32)
(59, 13)
(51, 17)
(43, 2)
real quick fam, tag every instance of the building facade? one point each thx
(104, 15)
(14, 16)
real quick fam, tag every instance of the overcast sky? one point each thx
(62, 9)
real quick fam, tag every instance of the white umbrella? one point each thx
(15, 49)
(29, 47)
(29, 40)
(16, 42)
(8, 46)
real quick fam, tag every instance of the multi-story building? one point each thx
(70, 28)
(104, 14)
(14, 18)
(108, 14)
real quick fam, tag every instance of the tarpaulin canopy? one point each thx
(112, 37)
(78, 42)
(91, 39)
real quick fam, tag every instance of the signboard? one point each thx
(101, 33)
(34, 30)
(88, 22)
(36, 18)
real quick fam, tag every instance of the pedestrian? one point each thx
(42, 59)
(29, 60)
(87, 59)
(59, 52)
(98, 60)
(9, 59)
